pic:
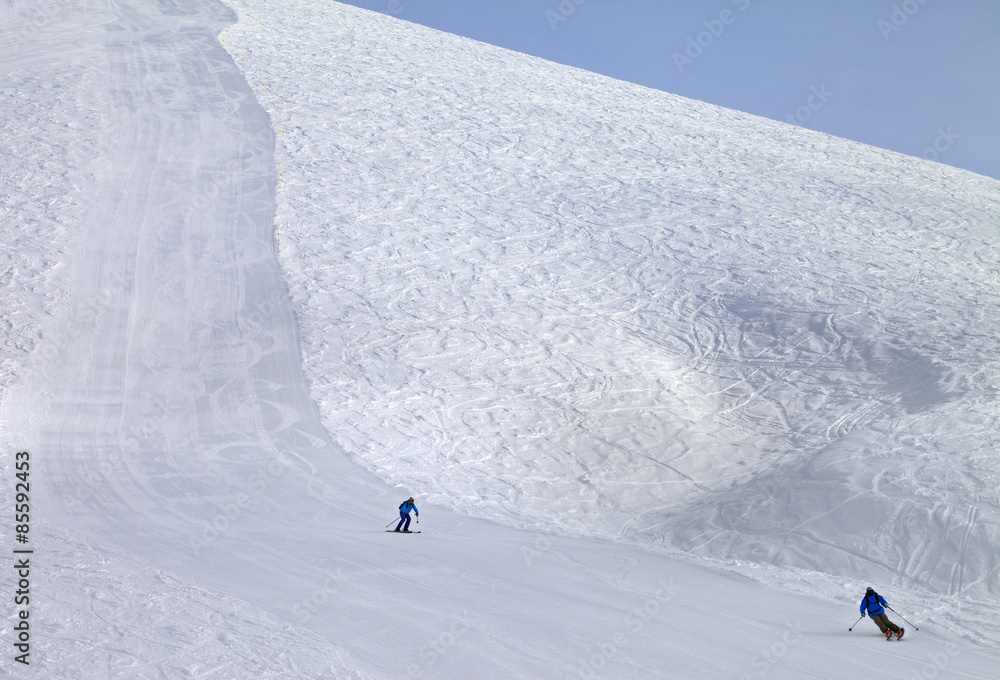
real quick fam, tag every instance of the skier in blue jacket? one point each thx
(404, 514)
(875, 605)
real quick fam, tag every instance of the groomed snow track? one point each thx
(191, 516)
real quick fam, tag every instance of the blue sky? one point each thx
(917, 76)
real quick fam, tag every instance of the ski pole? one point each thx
(856, 622)
(901, 616)
(391, 523)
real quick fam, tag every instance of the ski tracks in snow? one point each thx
(500, 290)
(109, 614)
(566, 301)
(165, 403)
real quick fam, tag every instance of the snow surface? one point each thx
(671, 383)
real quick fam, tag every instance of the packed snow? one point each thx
(671, 384)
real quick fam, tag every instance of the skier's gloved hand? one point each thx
(863, 615)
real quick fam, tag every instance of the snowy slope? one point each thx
(541, 295)
(527, 325)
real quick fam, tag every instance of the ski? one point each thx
(898, 636)
(393, 531)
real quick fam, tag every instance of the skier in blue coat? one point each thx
(875, 605)
(404, 514)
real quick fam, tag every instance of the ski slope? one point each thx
(566, 300)
(671, 384)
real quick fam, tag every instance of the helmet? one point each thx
(870, 590)
(410, 498)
